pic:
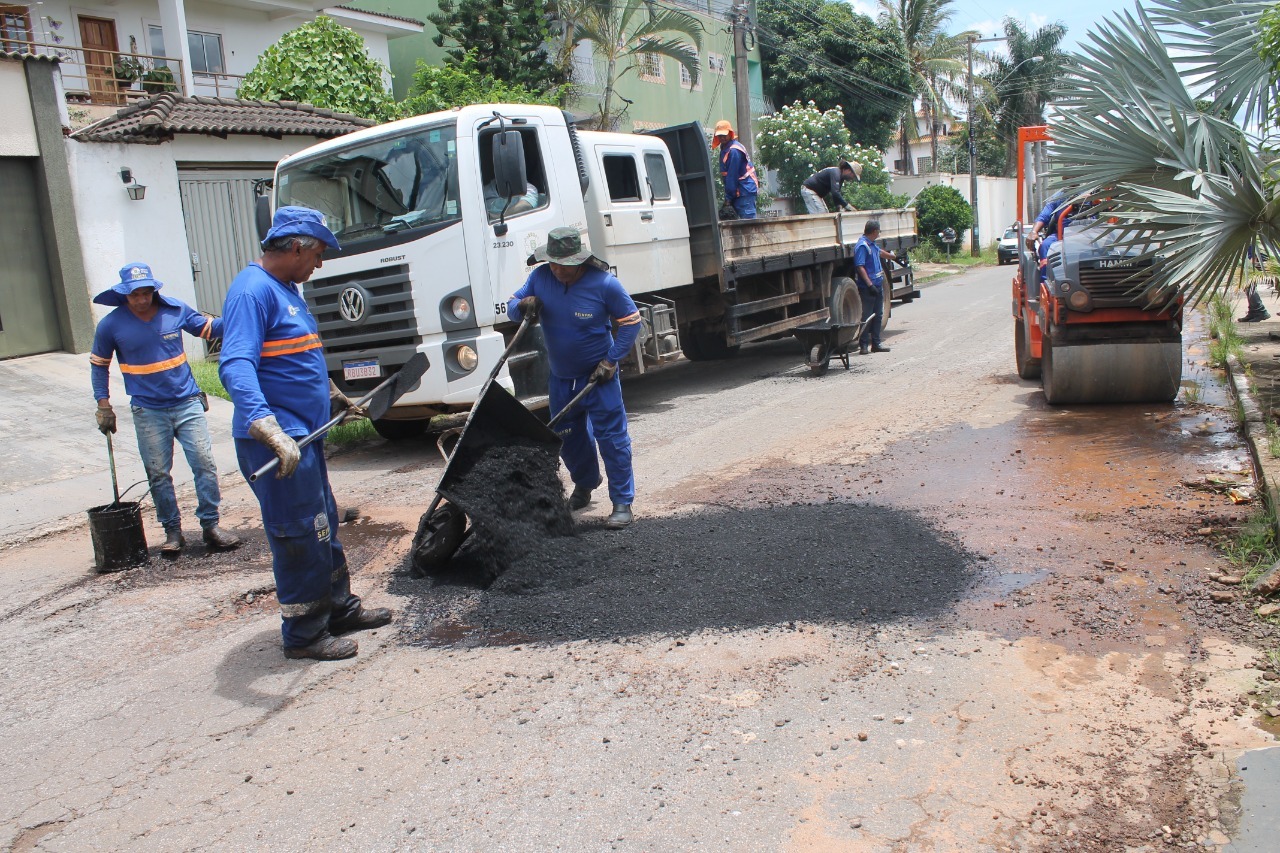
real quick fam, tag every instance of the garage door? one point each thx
(218, 209)
(28, 322)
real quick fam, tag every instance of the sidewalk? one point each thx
(1256, 380)
(55, 460)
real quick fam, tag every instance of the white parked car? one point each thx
(1007, 248)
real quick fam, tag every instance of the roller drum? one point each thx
(1126, 372)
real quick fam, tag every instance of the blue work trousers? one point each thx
(301, 521)
(600, 419)
(745, 205)
(157, 429)
(872, 314)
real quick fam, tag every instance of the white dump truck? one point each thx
(438, 215)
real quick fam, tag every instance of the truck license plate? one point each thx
(367, 369)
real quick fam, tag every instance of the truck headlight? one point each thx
(460, 308)
(466, 357)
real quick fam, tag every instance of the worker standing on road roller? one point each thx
(145, 331)
(867, 257)
(273, 366)
(576, 299)
(740, 187)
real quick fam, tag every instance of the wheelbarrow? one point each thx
(825, 339)
(496, 419)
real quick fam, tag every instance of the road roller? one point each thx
(1085, 322)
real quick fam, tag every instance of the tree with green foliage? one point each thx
(459, 84)
(1177, 181)
(1024, 82)
(625, 33)
(508, 37)
(823, 51)
(939, 207)
(936, 61)
(800, 139)
(324, 64)
(953, 152)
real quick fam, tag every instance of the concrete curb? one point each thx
(1255, 430)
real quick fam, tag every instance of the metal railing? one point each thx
(115, 78)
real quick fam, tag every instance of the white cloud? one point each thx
(871, 10)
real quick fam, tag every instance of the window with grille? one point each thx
(15, 29)
(686, 80)
(715, 63)
(651, 68)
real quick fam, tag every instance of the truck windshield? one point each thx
(381, 187)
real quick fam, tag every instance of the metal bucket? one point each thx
(119, 541)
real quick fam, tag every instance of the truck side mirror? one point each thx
(509, 176)
(262, 215)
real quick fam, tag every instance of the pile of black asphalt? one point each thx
(528, 574)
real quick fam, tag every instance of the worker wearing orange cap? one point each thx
(739, 175)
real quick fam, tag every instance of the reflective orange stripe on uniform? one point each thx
(630, 319)
(155, 366)
(99, 361)
(289, 346)
(208, 327)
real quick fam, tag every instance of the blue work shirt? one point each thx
(736, 170)
(272, 361)
(867, 255)
(575, 319)
(152, 358)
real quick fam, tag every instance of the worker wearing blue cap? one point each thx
(273, 366)
(145, 332)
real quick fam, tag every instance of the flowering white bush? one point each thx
(800, 139)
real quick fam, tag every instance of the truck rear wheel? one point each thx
(1028, 367)
(846, 304)
(399, 430)
(886, 308)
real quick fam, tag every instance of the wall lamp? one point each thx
(136, 190)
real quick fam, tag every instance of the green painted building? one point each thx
(660, 92)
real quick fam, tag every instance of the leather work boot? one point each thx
(581, 497)
(878, 348)
(1255, 317)
(864, 349)
(173, 543)
(621, 517)
(220, 540)
(364, 619)
(325, 648)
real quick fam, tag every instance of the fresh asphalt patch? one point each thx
(716, 570)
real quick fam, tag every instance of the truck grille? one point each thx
(1118, 287)
(389, 317)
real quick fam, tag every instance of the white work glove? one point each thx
(267, 430)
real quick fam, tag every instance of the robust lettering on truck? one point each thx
(391, 259)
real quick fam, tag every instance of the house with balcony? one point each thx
(115, 52)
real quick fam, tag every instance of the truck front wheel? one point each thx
(701, 343)
(400, 430)
(846, 304)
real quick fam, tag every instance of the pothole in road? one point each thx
(707, 571)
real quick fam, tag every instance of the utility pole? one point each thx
(975, 244)
(741, 87)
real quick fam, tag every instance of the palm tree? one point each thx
(1024, 82)
(936, 61)
(1147, 114)
(623, 33)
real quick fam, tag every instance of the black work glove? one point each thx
(604, 371)
(106, 419)
(530, 307)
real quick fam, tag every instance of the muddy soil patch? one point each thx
(723, 570)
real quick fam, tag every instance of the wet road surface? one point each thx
(905, 606)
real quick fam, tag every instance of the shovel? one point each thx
(376, 402)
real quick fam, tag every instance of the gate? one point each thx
(218, 208)
(28, 320)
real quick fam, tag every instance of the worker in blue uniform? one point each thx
(273, 366)
(576, 299)
(740, 186)
(145, 331)
(869, 274)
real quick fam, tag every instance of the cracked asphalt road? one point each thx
(1079, 694)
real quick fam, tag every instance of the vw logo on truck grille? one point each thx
(353, 302)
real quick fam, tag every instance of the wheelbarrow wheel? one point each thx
(819, 359)
(439, 536)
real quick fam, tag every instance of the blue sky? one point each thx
(986, 16)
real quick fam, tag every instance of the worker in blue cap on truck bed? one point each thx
(145, 333)
(273, 366)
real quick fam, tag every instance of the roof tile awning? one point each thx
(158, 118)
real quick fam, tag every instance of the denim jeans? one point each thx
(157, 429)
